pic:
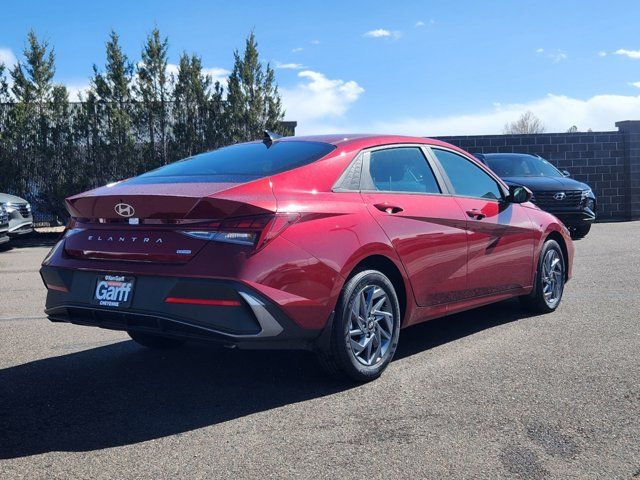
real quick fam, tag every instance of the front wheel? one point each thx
(580, 232)
(549, 281)
(365, 330)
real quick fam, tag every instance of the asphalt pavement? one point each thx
(491, 393)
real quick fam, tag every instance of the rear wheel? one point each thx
(365, 330)
(154, 341)
(549, 282)
(580, 232)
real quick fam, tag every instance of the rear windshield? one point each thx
(245, 159)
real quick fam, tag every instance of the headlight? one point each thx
(587, 193)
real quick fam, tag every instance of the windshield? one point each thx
(245, 159)
(521, 166)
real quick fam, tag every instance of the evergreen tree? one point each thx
(30, 115)
(214, 131)
(63, 174)
(253, 101)
(153, 86)
(112, 90)
(274, 114)
(191, 104)
(4, 141)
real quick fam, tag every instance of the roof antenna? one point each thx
(270, 137)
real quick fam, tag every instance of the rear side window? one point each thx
(467, 179)
(403, 169)
(246, 159)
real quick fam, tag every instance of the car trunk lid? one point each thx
(134, 222)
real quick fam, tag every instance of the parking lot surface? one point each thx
(491, 393)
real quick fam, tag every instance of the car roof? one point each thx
(509, 155)
(364, 140)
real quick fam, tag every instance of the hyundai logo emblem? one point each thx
(124, 210)
(560, 196)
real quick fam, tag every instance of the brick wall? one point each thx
(608, 161)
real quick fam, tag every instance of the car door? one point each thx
(500, 234)
(405, 195)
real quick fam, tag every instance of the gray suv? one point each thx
(19, 211)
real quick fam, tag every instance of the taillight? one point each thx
(69, 230)
(250, 231)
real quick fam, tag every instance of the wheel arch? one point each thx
(388, 267)
(557, 236)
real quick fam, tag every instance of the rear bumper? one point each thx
(248, 320)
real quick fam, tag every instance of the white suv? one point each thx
(19, 211)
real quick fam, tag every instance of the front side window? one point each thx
(403, 169)
(467, 179)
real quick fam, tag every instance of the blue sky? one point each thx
(401, 67)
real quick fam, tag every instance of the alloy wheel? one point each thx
(370, 326)
(552, 277)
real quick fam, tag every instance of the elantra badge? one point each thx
(124, 210)
(560, 196)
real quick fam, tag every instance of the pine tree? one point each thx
(214, 130)
(62, 175)
(153, 86)
(191, 104)
(253, 101)
(112, 90)
(4, 140)
(30, 116)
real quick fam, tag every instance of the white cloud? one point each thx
(76, 89)
(382, 33)
(289, 66)
(557, 113)
(217, 74)
(315, 42)
(318, 97)
(556, 56)
(378, 33)
(7, 57)
(635, 84)
(602, 53)
(635, 54)
(297, 49)
(419, 24)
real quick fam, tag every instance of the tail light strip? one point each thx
(253, 231)
(203, 301)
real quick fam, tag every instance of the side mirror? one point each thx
(519, 194)
(566, 173)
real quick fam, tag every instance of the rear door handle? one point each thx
(387, 208)
(475, 213)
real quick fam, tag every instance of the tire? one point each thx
(540, 300)
(580, 232)
(378, 333)
(154, 341)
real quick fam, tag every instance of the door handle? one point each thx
(387, 208)
(475, 213)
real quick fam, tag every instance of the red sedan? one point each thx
(327, 243)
